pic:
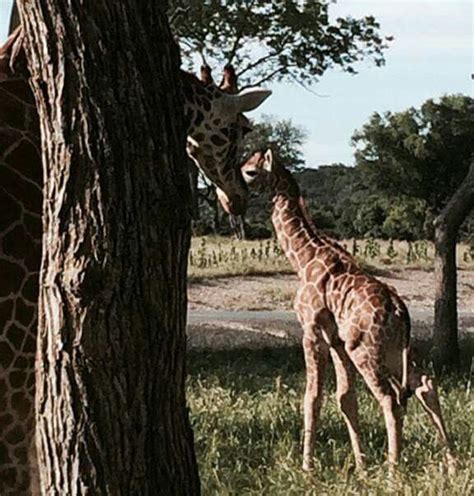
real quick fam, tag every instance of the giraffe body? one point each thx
(215, 124)
(347, 315)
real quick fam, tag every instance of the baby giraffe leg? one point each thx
(316, 357)
(386, 397)
(425, 391)
(393, 414)
(347, 399)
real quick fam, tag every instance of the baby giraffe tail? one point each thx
(402, 389)
(406, 391)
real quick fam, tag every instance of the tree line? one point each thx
(407, 166)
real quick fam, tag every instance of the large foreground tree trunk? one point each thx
(111, 411)
(447, 226)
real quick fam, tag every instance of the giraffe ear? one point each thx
(268, 160)
(246, 100)
(251, 98)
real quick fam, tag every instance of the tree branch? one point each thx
(235, 46)
(261, 60)
(307, 88)
(460, 204)
(264, 79)
(176, 14)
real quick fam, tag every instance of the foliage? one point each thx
(284, 138)
(405, 219)
(370, 217)
(391, 251)
(407, 166)
(421, 153)
(247, 418)
(342, 204)
(372, 249)
(278, 40)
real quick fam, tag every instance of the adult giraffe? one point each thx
(215, 126)
(347, 314)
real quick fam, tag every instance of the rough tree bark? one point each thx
(111, 411)
(447, 226)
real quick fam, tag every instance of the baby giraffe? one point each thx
(347, 314)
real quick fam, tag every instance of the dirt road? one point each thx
(255, 311)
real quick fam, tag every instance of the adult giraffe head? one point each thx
(216, 126)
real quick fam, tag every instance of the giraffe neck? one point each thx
(20, 257)
(296, 233)
(298, 229)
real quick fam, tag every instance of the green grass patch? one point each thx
(247, 419)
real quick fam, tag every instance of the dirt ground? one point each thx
(276, 292)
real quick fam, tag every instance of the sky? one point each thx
(432, 55)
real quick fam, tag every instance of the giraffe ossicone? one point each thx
(348, 315)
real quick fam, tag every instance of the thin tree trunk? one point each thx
(237, 225)
(216, 222)
(111, 412)
(447, 226)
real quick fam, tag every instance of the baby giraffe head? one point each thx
(262, 171)
(258, 168)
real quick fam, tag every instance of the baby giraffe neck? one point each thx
(295, 232)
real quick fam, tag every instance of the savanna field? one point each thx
(246, 404)
(247, 419)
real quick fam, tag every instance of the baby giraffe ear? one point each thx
(268, 160)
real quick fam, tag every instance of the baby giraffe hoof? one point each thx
(360, 464)
(452, 463)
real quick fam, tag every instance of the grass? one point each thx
(214, 256)
(246, 412)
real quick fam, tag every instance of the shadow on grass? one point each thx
(251, 369)
(247, 413)
(254, 366)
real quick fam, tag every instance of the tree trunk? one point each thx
(216, 220)
(237, 225)
(111, 412)
(447, 224)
